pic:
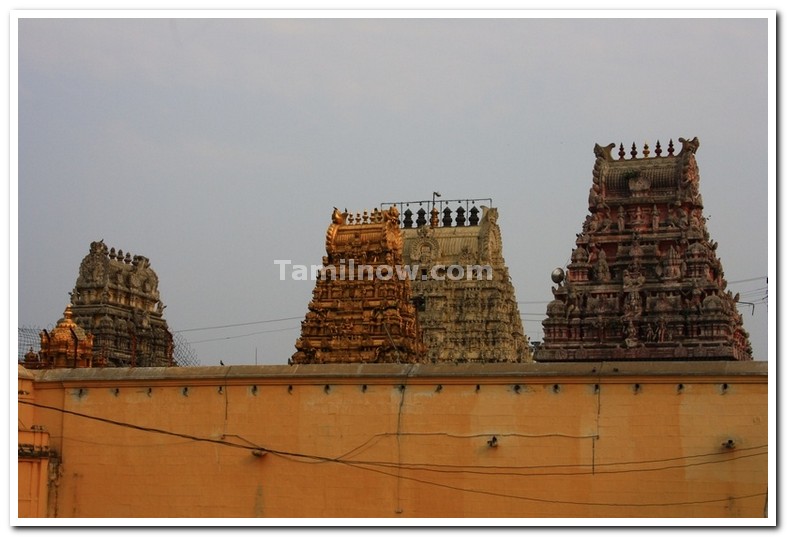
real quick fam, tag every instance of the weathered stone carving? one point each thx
(649, 287)
(116, 299)
(470, 318)
(359, 312)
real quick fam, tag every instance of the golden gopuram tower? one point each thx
(361, 310)
(465, 301)
(66, 345)
(644, 282)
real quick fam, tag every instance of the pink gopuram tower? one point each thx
(644, 282)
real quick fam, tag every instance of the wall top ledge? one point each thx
(458, 372)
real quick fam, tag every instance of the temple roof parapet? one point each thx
(659, 178)
(687, 147)
(440, 212)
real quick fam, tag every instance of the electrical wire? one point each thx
(244, 335)
(750, 280)
(140, 427)
(743, 294)
(551, 466)
(124, 445)
(542, 500)
(428, 468)
(237, 324)
(454, 468)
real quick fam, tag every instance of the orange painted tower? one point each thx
(362, 309)
(67, 345)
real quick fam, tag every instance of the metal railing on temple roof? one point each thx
(450, 213)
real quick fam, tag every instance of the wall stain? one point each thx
(258, 511)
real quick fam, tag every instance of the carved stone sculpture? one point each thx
(655, 272)
(470, 315)
(116, 299)
(361, 310)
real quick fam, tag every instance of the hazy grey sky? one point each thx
(215, 146)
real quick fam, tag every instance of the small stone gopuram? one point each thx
(116, 300)
(465, 301)
(644, 282)
(361, 310)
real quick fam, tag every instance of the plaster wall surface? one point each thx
(387, 440)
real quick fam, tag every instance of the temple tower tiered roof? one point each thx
(361, 309)
(116, 299)
(66, 345)
(465, 301)
(644, 282)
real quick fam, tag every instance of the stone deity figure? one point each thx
(650, 334)
(683, 218)
(636, 250)
(606, 221)
(602, 267)
(638, 216)
(632, 333)
(572, 301)
(695, 221)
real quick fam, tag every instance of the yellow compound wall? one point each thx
(396, 441)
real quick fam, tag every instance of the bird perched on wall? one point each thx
(338, 217)
(221, 362)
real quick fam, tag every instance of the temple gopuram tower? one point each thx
(469, 312)
(66, 345)
(116, 299)
(361, 310)
(644, 282)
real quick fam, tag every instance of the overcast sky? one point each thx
(216, 146)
